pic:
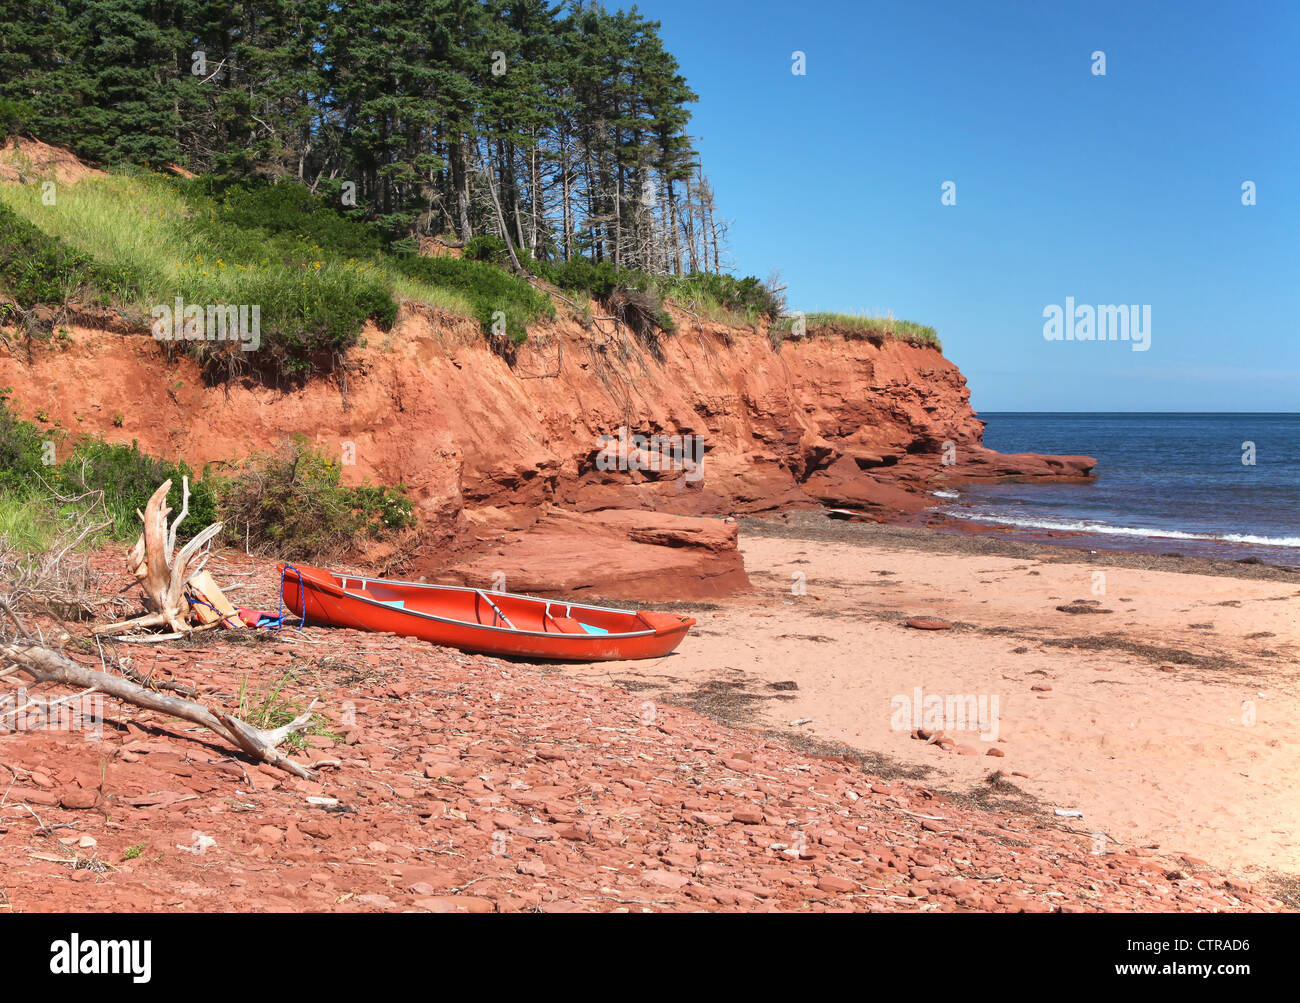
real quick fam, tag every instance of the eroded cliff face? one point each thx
(498, 458)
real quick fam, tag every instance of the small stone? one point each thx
(664, 879)
(929, 623)
(834, 883)
(455, 903)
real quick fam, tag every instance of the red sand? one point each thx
(471, 784)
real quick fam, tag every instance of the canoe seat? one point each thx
(568, 625)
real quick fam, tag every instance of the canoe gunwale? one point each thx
(340, 591)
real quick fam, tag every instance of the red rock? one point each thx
(747, 815)
(648, 556)
(455, 903)
(78, 800)
(834, 883)
(995, 751)
(664, 879)
(929, 623)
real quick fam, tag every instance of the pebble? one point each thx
(929, 623)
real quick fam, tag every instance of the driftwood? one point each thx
(163, 576)
(45, 665)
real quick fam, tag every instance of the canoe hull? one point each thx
(476, 621)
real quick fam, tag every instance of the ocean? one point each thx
(1166, 483)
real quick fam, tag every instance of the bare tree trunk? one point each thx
(534, 186)
(675, 242)
(460, 179)
(690, 228)
(566, 195)
(501, 219)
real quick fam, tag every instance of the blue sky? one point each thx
(1123, 188)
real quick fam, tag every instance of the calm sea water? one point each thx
(1167, 483)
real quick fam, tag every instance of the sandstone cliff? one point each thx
(499, 458)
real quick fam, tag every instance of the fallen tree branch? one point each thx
(47, 666)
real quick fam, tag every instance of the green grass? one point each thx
(723, 299)
(502, 302)
(269, 709)
(876, 329)
(38, 267)
(317, 274)
(406, 288)
(313, 302)
(28, 525)
(134, 224)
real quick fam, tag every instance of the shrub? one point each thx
(21, 450)
(128, 477)
(37, 268)
(287, 209)
(748, 296)
(580, 275)
(490, 290)
(643, 312)
(305, 324)
(291, 503)
(486, 248)
(306, 266)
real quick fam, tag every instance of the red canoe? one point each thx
(494, 623)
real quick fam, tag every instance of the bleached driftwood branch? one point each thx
(161, 573)
(45, 665)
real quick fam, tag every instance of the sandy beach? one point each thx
(1156, 704)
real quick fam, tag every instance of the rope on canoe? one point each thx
(302, 592)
